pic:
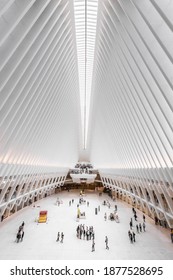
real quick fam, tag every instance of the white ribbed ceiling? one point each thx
(39, 92)
(129, 74)
(131, 124)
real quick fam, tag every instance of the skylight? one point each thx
(85, 22)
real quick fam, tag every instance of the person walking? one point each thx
(137, 228)
(18, 236)
(84, 233)
(62, 237)
(135, 216)
(140, 227)
(144, 226)
(144, 218)
(90, 235)
(105, 216)
(20, 228)
(131, 225)
(106, 242)
(172, 235)
(22, 235)
(80, 233)
(93, 246)
(130, 236)
(133, 235)
(58, 236)
(156, 220)
(87, 234)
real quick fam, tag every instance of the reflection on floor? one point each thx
(40, 238)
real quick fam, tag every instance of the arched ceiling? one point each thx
(130, 118)
(40, 123)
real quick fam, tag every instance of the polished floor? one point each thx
(40, 239)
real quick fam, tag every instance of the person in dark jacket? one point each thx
(18, 237)
(58, 237)
(22, 235)
(62, 237)
(93, 246)
(106, 242)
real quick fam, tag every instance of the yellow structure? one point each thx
(42, 217)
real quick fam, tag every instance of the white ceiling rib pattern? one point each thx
(131, 121)
(39, 85)
(132, 118)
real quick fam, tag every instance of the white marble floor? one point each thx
(40, 239)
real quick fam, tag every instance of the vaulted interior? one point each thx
(87, 81)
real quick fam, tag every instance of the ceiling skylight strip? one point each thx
(85, 12)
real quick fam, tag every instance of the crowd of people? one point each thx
(140, 226)
(136, 224)
(82, 168)
(85, 232)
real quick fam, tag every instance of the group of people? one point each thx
(106, 202)
(140, 227)
(85, 232)
(82, 201)
(159, 222)
(60, 237)
(83, 168)
(106, 243)
(114, 217)
(20, 233)
(71, 202)
(132, 235)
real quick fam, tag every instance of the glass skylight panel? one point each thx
(85, 12)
